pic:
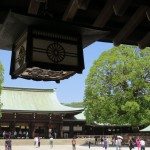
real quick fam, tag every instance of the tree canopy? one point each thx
(75, 104)
(118, 87)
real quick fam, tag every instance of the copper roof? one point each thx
(33, 100)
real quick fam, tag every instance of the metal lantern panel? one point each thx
(18, 60)
(54, 52)
(62, 50)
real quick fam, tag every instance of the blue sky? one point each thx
(69, 90)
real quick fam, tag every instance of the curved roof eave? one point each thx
(33, 100)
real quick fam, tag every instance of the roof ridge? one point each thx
(28, 89)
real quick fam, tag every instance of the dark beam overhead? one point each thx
(104, 15)
(148, 13)
(71, 10)
(33, 7)
(73, 7)
(145, 41)
(84, 4)
(128, 21)
(130, 26)
(120, 6)
(93, 37)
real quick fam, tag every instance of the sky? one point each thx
(68, 90)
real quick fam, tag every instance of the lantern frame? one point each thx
(59, 38)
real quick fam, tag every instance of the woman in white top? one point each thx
(36, 141)
(51, 141)
(142, 142)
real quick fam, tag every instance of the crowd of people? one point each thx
(37, 141)
(17, 135)
(116, 141)
(138, 142)
(132, 142)
(105, 142)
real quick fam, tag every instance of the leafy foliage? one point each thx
(75, 104)
(118, 87)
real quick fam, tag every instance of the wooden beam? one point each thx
(84, 4)
(104, 15)
(91, 37)
(71, 10)
(120, 6)
(145, 42)
(148, 13)
(73, 7)
(34, 7)
(129, 27)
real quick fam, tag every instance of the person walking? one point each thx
(131, 143)
(36, 141)
(4, 133)
(73, 144)
(96, 139)
(39, 141)
(142, 143)
(138, 144)
(89, 142)
(51, 141)
(15, 134)
(118, 143)
(55, 134)
(105, 143)
(113, 140)
(7, 142)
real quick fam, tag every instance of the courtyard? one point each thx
(64, 147)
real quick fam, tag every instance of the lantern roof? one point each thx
(15, 25)
(33, 100)
(117, 21)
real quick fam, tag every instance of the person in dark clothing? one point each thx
(7, 142)
(39, 141)
(131, 143)
(105, 144)
(89, 141)
(95, 140)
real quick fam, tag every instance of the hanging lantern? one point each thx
(47, 54)
(45, 49)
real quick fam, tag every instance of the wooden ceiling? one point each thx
(127, 21)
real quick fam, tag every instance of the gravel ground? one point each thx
(64, 147)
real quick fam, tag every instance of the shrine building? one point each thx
(37, 111)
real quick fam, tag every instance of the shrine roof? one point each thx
(80, 116)
(147, 129)
(33, 100)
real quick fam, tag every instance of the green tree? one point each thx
(75, 104)
(118, 87)
(1, 82)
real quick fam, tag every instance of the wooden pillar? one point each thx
(58, 130)
(47, 130)
(1, 127)
(31, 129)
(83, 128)
(71, 133)
(11, 126)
